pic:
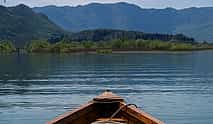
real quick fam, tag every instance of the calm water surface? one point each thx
(174, 87)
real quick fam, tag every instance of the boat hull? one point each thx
(108, 108)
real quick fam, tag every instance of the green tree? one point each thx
(88, 44)
(62, 47)
(38, 46)
(7, 47)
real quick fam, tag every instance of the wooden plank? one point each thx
(140, 115)
(113, 119)
(108, 97)
(73, 115)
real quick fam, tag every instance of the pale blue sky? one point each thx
(142, 3)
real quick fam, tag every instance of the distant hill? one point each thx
(194, 22)
(22, 24)
(98, 35)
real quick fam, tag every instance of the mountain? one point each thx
(21, 24)
(194, 22)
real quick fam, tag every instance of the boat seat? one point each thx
(112, 121)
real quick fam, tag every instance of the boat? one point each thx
(107, 108)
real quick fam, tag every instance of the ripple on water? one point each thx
(173, 87)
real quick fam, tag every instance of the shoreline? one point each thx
(152, 51)
(95, 51)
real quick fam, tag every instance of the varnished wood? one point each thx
(139, 115)
(114, 119)
(103, 107)
(108, 97)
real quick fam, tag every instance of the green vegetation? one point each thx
(152, 45)
(38, 46)
(109, 46)
(6, 47)
(104, 47)
(104, 51)
(21, 23)
(89, 44)
(112, 34)
(62, 47)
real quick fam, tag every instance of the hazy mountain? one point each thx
(195, 22)
(22, 24)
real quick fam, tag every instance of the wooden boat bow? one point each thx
(102, 108)
(108, 97)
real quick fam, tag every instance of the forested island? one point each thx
(107, 41)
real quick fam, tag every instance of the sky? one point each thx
(178, 4)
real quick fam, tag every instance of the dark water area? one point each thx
(174, 87)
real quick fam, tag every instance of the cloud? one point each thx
(142, 3)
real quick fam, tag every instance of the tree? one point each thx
(7, 47)
(38, 46)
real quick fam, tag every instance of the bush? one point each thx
(7, 47)
(182, 46)
(38, 46)
(62, 47)
(89, 44)
(104, 51)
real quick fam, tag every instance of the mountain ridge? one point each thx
(21, 24)
(127, 16)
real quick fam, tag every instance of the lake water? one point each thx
(174, 87)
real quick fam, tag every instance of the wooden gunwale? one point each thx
(105, 99)
(140, 114)
(73, 114)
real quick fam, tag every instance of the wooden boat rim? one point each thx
(69, 113)
(109, 97)
(141, 112)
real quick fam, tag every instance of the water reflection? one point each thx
(171, 86)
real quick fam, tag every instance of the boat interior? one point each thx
(106, 109)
